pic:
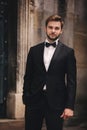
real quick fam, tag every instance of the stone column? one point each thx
(15, 107)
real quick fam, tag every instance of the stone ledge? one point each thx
(15, 107)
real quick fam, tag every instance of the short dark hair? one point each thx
(54, 18)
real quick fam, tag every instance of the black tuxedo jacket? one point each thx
(60, 78)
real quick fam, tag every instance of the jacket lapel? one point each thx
(56, 54)
(41, 57)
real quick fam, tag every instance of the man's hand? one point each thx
(67, 113)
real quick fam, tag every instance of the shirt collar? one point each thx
(54, 41)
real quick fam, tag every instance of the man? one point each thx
(50, 80)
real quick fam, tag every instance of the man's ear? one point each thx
(61, 32)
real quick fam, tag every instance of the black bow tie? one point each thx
(50, 44)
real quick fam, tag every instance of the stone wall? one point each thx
(80, 45)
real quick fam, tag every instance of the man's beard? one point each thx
(53, 39)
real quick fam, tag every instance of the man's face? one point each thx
(53, 30)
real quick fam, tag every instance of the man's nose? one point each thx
(53, 29)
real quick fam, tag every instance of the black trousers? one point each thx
(34, 115)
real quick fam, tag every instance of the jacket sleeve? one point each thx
(27, 77)
(71, 80)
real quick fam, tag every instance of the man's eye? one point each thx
(50, 27)
(57, 28)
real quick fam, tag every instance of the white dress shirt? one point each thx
(47, 56)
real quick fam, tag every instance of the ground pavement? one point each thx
(7, 124)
